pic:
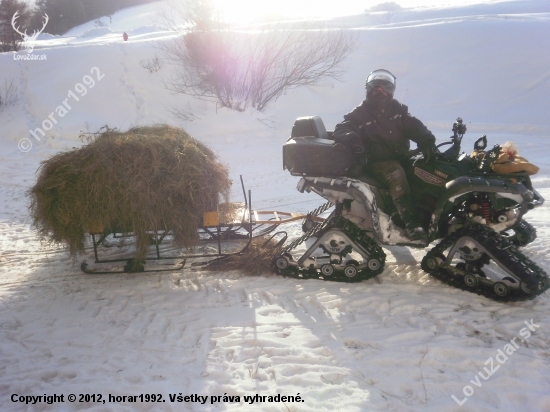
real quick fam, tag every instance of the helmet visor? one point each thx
(385, 85)
(381, 75)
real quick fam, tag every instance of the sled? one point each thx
(232, 226)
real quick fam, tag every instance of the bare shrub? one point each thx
(187, 113)
(255, 260)
(98, 23)
(153, 64)
(254, 67)
(8, 93)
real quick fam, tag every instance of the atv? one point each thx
(474, 213)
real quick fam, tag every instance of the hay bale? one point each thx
(145, 179)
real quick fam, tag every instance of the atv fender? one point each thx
(465, 184)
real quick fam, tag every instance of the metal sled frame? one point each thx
(216, 232)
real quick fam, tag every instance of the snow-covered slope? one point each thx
(402, 341)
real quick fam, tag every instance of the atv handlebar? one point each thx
(437, 154)
(459, 128)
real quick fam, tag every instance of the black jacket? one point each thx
(382, 134)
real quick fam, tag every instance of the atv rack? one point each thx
(243, 225)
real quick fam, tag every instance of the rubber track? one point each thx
(354, 232)
(505, 252)
(321, 209)
(527, 230)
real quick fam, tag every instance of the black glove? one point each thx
(353, 143)
(429, 151)
(351, 140)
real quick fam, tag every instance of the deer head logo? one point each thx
(29, 40)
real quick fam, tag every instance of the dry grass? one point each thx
(145, 179)
(254, 261)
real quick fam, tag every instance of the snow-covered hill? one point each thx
(402, 341)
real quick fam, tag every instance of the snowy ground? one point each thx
(401, 342)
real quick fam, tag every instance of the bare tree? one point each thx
(8, 93)
(391, 8)
(238, 68)
(10, 39)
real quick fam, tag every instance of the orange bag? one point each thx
(510, 164)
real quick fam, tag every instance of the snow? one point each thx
(402, 341)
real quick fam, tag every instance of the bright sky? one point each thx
(246, 10)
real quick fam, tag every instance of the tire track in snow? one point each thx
(31, 120)
(278, 351)
(260, 359)
(12, 189)
(132, 88)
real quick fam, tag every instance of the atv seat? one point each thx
(313, 126)
(310, 126)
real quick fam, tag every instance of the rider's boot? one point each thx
(412, 225)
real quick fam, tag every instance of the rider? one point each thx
(381, 129)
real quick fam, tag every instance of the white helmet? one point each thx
(383, 79)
